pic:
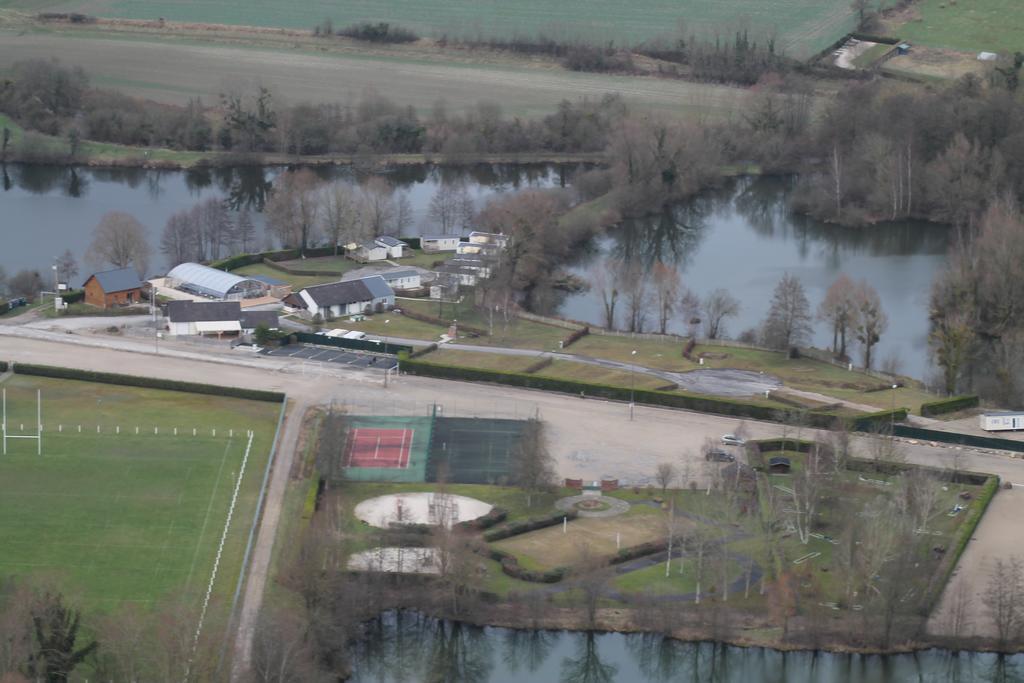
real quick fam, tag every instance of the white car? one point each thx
(733, 440)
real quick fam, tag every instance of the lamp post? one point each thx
(892, 413)
(56, 288)
(632, 383)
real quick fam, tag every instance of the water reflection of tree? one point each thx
(671, 236)
(586, 666)
(527, 647)
(660, 658)
(459, 652)
(394, 647)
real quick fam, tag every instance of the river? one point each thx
(406, 647)
(741, 238)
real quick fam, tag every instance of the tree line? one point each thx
(48, 98)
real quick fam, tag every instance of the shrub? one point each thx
(948, 405)
(635, 551)
(575, 337)
(148, 382)
(527, 525)
(494, 516)
(381, 32)
(538, 365)
(309, 508)
(421, 351)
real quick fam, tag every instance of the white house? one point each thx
(432, 243)
(395, 247)
(403, 279)
(368, 252)
(348, 297)
(465, 276)
(186, 318)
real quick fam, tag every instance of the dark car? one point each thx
(719, 456)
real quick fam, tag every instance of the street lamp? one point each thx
(56, 287)
(892, 413)
(632, 383)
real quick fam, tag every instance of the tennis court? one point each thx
(470, 450)
(379, 447)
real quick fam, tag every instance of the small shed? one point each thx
(119, 287)
(779, 464)
(903, 49)
(186, 318)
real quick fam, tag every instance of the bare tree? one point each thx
(665, 474)
(378, 210)
(294, 207)
(839, 310)
(806, 486)
(667, 284)
(120, 241)
(16, 635)
(604, 279)
(179, 241)
(1003, 598)
(871, 320)
(67, 267)
(216, 226)
(533, 467)
(591, 580)
(924, 493)
(636, 285)
(884, 449)
(789, 320)
(403, 214)
(280, 651)
(451, 206)
(719, 305)
(340, 215)
(26, 283)
(957, 613)
(244, 232)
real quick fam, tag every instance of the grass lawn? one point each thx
(125, 518)
(398, 325)
(660, 354)
(338, 264)
(970, 25)
(548, 548)
(652, 580)
(296, 281)
(869, 56)
(483, 361)
(583, 372)
(422, 259)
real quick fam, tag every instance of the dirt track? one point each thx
(174, 71)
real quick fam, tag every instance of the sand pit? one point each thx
(419, 508)
(396, 560)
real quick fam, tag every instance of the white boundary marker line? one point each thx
(216, 561)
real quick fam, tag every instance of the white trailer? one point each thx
(1002, 422)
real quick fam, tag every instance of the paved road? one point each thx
(588, 438)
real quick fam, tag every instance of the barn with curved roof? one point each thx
(196, 278)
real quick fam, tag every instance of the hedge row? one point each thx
(299, 271)
(948, 405)
(699, 403)
(510, 566)
(527, 525)
(575, 336)
(769, 445)
(539, 365)
(874, 421)
(957, 438)
(240, 260)
(967, 531)
(148, 382)
(871, 38)
(3, 366)
(494, 516)
(641, 550)
(309, 507)
(74, 296)
(423, 351)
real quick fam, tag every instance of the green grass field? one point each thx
(971, 25)
(117, 518)
(802, 26)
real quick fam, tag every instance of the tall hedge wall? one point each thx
(948, 405)
(147, 382)
(697, 402)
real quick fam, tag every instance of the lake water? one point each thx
(743, 239)
(406, 647)
(46, 209)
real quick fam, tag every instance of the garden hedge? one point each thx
(696, 402)
(3, 366)
(538, 365)
(74, 296)
(948, 405)
(527, 525)
(423, 351)
(575, 336)
(309, 507)
(871, 38)
(494, 516)
(148, 382)
(958, 438)
(641, 550)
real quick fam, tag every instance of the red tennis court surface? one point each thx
(379, 447)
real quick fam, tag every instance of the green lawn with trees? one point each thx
(977, 25)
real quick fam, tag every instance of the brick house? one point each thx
(120, 287)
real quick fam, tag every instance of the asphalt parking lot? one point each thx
(337, 356)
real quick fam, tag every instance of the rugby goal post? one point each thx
(38, 436)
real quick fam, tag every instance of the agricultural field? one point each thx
(173, 69)
(966, 25)
(113, 517)
(803, 27)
